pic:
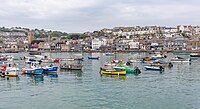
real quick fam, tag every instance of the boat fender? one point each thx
(161, 68)
(170, 64)
(137, 70)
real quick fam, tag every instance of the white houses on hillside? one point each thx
(96, 43)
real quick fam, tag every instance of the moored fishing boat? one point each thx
(34, 53)
(161, 63)
(93, 58)
(182, 53)
(194, 55)
(128, 70)
(194, 58)
(180, 59)
(158, 56)
(66, 59)
(34, 68)
(10, 70)
(50, 69)
(154, 68)
(112, 72)
(110, 54)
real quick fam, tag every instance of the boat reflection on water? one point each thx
(10, 78)
(77, 73)
(120, 77)
(52, 75)
(36, 78)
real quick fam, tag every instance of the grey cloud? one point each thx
(90, 15)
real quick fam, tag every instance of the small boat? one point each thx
(128, 70)
(10, 70)
(34, 69)
(47, 60)
(110, 54)
(79, 59)
(194, 55)
(136, 60)
(154, 68)
(182, 53)
(194, 58)
(50, 69)
(161, 63)
(93, 58)
(71, 66)
(112, 72)
(157, 56)
(180, 59)
(34, 53)
(66, 59)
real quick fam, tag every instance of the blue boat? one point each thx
(50, 69)
(33, 71)
(94, 58)
(153, 68)
(110, 54)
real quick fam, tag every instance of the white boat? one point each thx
(154, 68)
(34, 68)
(110, 64)
(11, 70)
(180, 59)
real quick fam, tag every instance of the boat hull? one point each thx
(128, 70)
(11, 74)
(34, 71)
(153, 68)
(93, 58)
(194, 55)
(110, 54)
(51, 70)
(181, 61)
(112, 72)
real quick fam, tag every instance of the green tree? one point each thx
(83, 36)
(56, 34)
(185, 35)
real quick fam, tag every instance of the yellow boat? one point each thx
(112, 72)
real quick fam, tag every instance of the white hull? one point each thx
(12, 72)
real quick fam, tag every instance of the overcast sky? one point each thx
(90, 15)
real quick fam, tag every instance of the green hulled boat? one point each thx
(193, 58)
(182, 53)
(135, 71)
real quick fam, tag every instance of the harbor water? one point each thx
(175, 88)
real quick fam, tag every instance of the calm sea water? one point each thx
(176, 88)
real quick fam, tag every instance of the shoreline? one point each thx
(112, 51)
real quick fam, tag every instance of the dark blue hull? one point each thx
(93, 58)
(154, 68)
(51, 70)
(112, 55)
